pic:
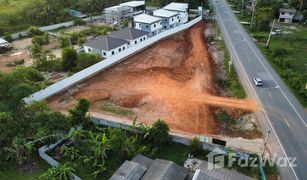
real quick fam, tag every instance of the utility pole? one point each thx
(253, 13)
(265, 142)
(229, 66)
(242, 8)
(269, 38)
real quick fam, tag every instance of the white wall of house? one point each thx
(152, 29)
(183, 17)
(105, 54)
(137, 41)
(170, 22)
(286, 17)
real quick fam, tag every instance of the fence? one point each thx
(55, 26)
(96, 68)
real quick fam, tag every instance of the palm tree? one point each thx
(62, 172)
(100, 145)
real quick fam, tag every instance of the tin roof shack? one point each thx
(106, 46)
(170, 19)
(133, 36)
(181, 8)
(150, 24)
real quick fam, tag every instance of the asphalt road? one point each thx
(282, 111)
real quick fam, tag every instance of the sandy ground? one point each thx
(172, 80)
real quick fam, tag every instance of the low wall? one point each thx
(55, 26)
(96, 68)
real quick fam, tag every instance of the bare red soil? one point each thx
(172, 80)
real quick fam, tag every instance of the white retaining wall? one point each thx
(96, 68)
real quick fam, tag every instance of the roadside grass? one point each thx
(14, 173)
(233, 81)
(286, 54)
(108, 106)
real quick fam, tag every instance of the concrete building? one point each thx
(116, 14)
(106, 46)
(150, 24)
(181, 8)
(170, 19)
(286, 15)
(136, 7)
(133, 36)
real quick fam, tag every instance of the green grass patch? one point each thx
(174, 152)
(14, 173)
(108, 106)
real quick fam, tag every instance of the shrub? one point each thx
(79, 21)
(85, 60)
(157, 135)
(195, 147)
(38, 40)
(69, 58)
(8, 37)
(34, 31)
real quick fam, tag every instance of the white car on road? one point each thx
(258, 81)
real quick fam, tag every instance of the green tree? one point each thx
(263, 17)
(36, 51)
(86, 60)
(157, 135)
(195, 147)
(34, 31)
(69, 58)
(79, 114)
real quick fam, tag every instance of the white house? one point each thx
(170, 18)
(150, 24)
(133, 36)
(181, 8)
(136, 7)
(106, 46)
(286, 15)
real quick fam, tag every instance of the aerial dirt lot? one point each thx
(172, 80)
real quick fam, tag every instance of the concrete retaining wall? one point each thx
(96, 68)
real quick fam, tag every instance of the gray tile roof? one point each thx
(218, 174)
(143, 160)
(129, 171)
(128, 33)
(165, 170)
(105, 43)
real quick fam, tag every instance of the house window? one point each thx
(154, 25)
(135, 42)
(139, 25)
(89, 50)
(161, 23)
(146, 26)
(120, 49)
(177, 17)
(141, 40)
(165, 20)
(128, 43)
(124, 48)
(164, 27)
(104, 53)
(144, 38)
(179, 20)
(172, 19)
(112, 52)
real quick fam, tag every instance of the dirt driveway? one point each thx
(172, 80)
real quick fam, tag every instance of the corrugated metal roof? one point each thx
(105, 43)
(145, 18)
(129, 171)
(164, 13)
(287, 10)
(128, 33)
(177, 6)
